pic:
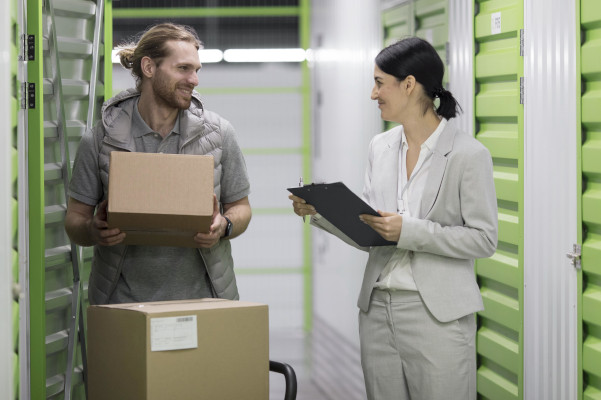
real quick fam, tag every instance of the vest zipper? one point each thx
(116, 281)
(213, 291)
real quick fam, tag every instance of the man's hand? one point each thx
(87, 229)
(389, 225)
(99, 228)
(216, 230)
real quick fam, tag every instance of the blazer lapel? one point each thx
(437, 169)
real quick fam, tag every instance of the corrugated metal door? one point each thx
(499, 115)
(64, 65)
(590, 19)
(427, 19)
(431, 23)
(398, 22)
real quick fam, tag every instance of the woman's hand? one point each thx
(301, 207)
(389, 225)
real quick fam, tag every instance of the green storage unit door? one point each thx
(431, 23)
(590, 18)
(499, 125)
(427, 19)
(66, 70)
(398, 22)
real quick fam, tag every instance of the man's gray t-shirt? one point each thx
(148, 273)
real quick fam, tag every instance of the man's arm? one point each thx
(86, 229)
(239, 213)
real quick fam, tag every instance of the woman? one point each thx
(433, 188)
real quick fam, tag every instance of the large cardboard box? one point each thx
(160, 199)
(209, 349)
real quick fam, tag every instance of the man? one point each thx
(162, 115)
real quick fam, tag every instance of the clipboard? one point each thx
(341, 207)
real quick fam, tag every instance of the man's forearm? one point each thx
(240, 214)
(77, 222)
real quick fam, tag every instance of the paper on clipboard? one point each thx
(341, 207)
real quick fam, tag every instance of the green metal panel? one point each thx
(305, 38)
(590, 305)
(108, 48)
(14, 54)
(398, 22)
(498, 67)
(67, 93)
(204, 12)
(35, 179)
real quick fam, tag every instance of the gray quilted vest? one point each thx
(202, 133)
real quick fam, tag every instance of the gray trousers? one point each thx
(407, 354)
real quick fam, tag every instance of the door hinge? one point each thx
(29, 52)
(574, 256)
(23, 95)
(23, 50)
(27, 95)
(521, 42)
(521, 90)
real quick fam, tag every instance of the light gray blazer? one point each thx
(458, 221)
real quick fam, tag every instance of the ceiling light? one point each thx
(210, 55)
(206, 56)
(264, 55)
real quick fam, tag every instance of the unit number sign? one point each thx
(495, 23)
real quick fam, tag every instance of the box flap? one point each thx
(158, 307)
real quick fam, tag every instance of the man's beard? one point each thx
(169, 96)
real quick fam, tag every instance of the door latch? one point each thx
(574, 256)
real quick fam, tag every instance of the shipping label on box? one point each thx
(173, 333)
(160, 199)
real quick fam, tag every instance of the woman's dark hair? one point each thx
(417, 57)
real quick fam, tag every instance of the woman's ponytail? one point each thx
(448, 107)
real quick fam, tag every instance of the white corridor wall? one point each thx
(345, 36)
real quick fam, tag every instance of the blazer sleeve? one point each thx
(477, 237)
